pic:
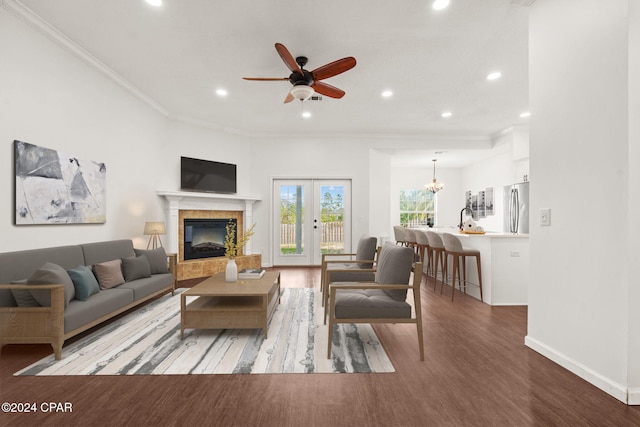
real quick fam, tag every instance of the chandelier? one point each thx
(434, 186)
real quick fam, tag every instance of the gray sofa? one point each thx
(34, 310)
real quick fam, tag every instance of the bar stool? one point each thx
(436, 249)
(423, 243)
(399, 234)
(453, 247)
(411, 241)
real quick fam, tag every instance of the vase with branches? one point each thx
(233, 247)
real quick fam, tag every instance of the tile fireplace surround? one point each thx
(183, 204)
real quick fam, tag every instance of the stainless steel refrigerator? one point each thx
(516, 208)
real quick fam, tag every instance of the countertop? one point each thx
(490, 234)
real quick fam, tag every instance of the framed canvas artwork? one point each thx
(52, 187)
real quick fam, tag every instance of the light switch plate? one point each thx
(545, 217)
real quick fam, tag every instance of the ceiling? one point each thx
(178, 54)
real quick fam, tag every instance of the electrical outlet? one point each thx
(545, 217)
(515, 254)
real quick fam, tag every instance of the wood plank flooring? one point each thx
(477, 372)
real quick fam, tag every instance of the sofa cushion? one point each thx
(135, 268)
(81, 313)
(51, 274)
(84, 282)
(22, 296)
(157, 259)
(109, 273)
(369, 303)
(144, 287)
(394, 267)
(355, 273)
(366, 250)
(19, 265)
(99, 252)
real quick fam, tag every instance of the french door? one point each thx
(310, 217)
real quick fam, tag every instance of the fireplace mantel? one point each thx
(187, 200)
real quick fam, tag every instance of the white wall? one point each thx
(634, 200)
(580, 283)
(51, 98)
(380, 196)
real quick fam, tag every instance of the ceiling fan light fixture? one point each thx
(302, 92)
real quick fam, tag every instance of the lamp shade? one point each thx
(152, 228)
(302, 92)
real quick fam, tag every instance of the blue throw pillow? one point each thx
(84, 282)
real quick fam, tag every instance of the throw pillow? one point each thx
(51, 274)
(135, 268)
(84, 282)
(157, 259)
(22, 296)
(109, 274)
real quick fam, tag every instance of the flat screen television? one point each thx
(207, 176)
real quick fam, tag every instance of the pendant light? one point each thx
(434, 186)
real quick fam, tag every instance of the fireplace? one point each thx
(204, 237)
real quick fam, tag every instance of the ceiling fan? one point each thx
(304, 82)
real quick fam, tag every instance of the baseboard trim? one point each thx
(605, 384)
(634, 396)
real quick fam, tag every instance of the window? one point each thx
(417, 208)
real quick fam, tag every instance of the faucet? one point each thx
(465, 209)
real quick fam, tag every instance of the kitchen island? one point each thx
(505, 265)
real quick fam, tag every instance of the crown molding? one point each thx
(26, 15)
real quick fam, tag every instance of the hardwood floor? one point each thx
(477, 372)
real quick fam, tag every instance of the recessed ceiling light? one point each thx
(446, 114)
(494, 75)
(525, 114)
(222, 92)
(440, 4)
(156, 3)
(306, 115)
(387, 94)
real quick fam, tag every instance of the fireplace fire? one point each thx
(204, 237)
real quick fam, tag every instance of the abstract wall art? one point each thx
(52, 187)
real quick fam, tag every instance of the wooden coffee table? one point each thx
(245, 304)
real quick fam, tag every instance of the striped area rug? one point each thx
(147, 342)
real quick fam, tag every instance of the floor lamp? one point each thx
(154, 229)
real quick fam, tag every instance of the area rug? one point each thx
(147, 342)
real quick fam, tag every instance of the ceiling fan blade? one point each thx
(266, 79)
(289, 98)
(328, 90)
(334, 68)
(288, 59)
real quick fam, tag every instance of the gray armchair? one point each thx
(382, 301)
(357, 267)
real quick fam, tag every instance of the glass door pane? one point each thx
(291, 219)
(332, 218)
(292, 232)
